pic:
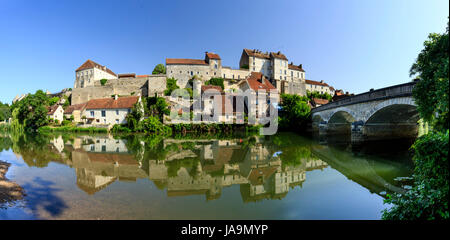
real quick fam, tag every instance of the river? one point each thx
(285, 176)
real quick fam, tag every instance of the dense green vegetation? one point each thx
(428, 199)
(159, 69)
(47, 129)
(295, 112)
(5, 112)
(31, 112)
(103, 81)
(316, 94)
(171, 84)
(216, 82)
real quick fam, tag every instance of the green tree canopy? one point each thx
(159, 69)
(295, 111)
(215, 82)
(32, 110)
(171, 84)
(5, 112)
(431, 91)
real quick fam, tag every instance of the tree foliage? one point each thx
(159, 69)
(171, 84)
(215, 82)
(5, 112)
(316, 94)
(157, 106)
(431, 91)
(32, 110)
(428, 199)
(295, 111)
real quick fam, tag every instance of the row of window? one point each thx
(103, 113)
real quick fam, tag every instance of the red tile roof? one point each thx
(139, 76)
(256, 53)
(258, 175)
(70, 109)
(316, 83)
(297, 68)
(206, 87)
(185, 61)
(278, 55)
(320, 101)
(111, 103)
(91, 64)
(254, 82)
(213, 55)
(52, 109)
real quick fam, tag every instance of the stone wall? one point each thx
(144, 86)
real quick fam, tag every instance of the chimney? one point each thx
(292, 63)
(321, 81)
(278, 52)
(301, 66)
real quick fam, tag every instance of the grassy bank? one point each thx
(47, 129)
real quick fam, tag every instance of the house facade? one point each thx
(109, 111)
(285, 76)
(320, 87)
(56, 112)
(76, 111)
(90, 72)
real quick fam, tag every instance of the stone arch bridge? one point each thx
(387, 113)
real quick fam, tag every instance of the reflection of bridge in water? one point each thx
(357, 169)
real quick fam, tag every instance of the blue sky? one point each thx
(352, 45)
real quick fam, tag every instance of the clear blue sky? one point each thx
(352, 45)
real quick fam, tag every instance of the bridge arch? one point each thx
(340, 122)
(397, 120)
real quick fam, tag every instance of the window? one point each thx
(292, 73)
(192, 73)
(223, 75)
(104, 148)
(253, 68)
(92, 113)
(92, 147)
(284, 72)
(103, 113)
(215, 66)
(117, 121)
(281, 71)
(117, 112)
(214, 73)
(206, 73)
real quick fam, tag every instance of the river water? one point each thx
(285, 176)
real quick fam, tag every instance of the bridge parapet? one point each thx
(400, 90)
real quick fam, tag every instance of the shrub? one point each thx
(119, 128)
(428, 199)
(153, 125)
(103, 81)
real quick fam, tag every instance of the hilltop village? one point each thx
(102, 97)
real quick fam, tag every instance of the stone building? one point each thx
(88, 86)
(320, 87)
(90, 72)
(286, 77)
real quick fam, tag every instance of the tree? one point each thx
(215, 82)
(316, 94)
(103, 81)
(52, 101)
(157, 106)
(5, 112)
(32, 110)
(159, 69)
(171, 84)
(431, 91)
(295, 111)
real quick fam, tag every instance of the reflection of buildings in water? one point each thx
(58, 143)
(105, 144)
(99, 161)
(191, 167)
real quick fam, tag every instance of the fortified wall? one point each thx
(142, 86)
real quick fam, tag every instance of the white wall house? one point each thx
(56, 112)
(89, 72)
(320, 87)
(109, 111)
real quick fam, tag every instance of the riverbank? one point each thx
(9, 191)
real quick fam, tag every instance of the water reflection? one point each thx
(264, 167)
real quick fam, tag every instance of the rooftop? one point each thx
(111, 103)
(91, 64)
